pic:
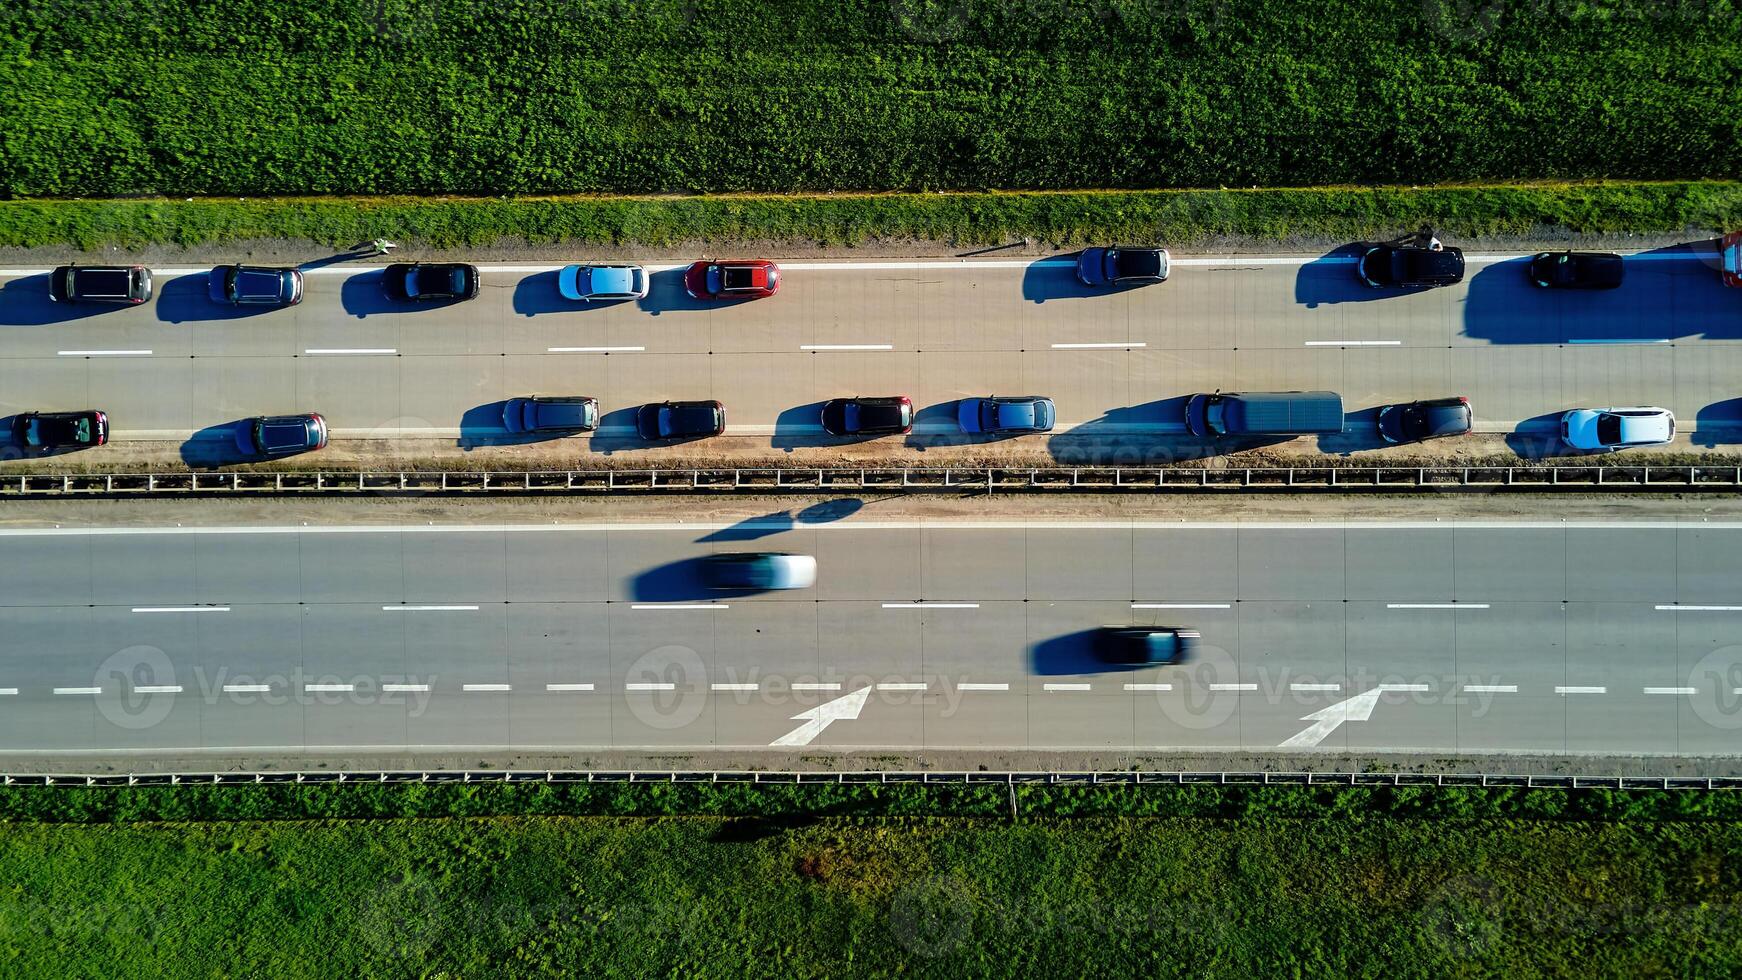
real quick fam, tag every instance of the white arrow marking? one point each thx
(822, 716)
(1325, 720)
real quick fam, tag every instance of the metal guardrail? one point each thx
(758, 778)
(1074, 479)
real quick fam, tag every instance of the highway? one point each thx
(182, 368)
(1553, 637)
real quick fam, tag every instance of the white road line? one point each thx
(846, 347)
(731, 687)
(593, 350)
(103, 353)
(429, 608)
(1315, 687)
(180, 609)
(247, 688)
(680, 605)
(1670, 690)
(1233, 687)
(815, 686)
(568, 687)
(1403, 688)
(496, 688)
(977, 686)
(1581, 690)
(158, 689)
(1354, 343)
(931, 605)
(351, 350)
(1149, 687)
(1181, 605)
(1436, 605)
(650, 686)
(1491, 688)
(8, 690)
(1064, 687)
(1680, 608)
(1107, 346)
(78, 690)
(404, 688)
(895, 686)
(328, 688)
(1619, 340)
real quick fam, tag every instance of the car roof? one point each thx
(610, 279)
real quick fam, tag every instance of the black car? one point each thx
(126, 284)
(430, 282)
(1576, 270)
(566, 413)
(1411, 264)
(1145, 644)
(60, 430)
(282, 435)
(1434, 419)
(1113, 266)
(668, 421)
(868, 416)
(254, 285)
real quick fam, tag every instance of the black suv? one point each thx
(429, 282)
(128, 284)
(1416, 262)
(868, 416)
(670, 421)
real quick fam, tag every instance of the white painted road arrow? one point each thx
(1325, 720)
(823, 715)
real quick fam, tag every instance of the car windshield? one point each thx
(1608, 429)
(1216, 414)
(851, 416)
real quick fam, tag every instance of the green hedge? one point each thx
(514, 96)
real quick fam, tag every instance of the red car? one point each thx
(1731, 255)
(735, 279)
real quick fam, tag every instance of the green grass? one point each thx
(1063, 219)
(463, 96)
(539, 880)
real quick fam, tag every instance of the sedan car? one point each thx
(125, 284)
(272, 436)
(1117, 266)
(1145, 644)
(736, 279)
(1005, 414)
(1433, 419)
(60, 430)
(1410, 264)
(253, 285)
(430, 282)
(1617, 428)
(764, 570)
(1576, 270)
(669, 421)
(603, 283)
(868, 416)
(576, 413)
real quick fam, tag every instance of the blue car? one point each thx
(1006, 415)
(605, 283)
(253, 285)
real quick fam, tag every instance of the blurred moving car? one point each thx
(282, 435)
(1119, 265)
(255, 285)
(1433, 419)
(576, 413)
(735, 279)
(60, 430)
(765, 570)
(605, 282)
(1417, 261)
(1730, 258)
(1215, 414)
(1006, 414)
(1576, 270)
(430, 282)
(1617, 428)
(864, 416)
(1145, 644)
(667, 421)
(126, 284)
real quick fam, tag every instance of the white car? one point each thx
(606, 282)
(1617, 428)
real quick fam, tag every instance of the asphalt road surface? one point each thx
(1438, 637)
(1117, 363)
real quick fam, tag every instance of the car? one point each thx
(1006, 414)
(1432, 419)
(668, 421)
(1120, 265)
(760, 570)
(1730, 259)
(272, 436)
(576, 413)
(1617, 428)
(124, 284)
(735, 279)
(605, 282)
(430, 282)
(868, 416)
(255, 285)
(60, 430)
(1416, 262)
(1139, 645)
(1576, 270)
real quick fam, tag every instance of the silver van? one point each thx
(1261, 413)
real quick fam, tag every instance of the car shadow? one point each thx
(481, 425)
(1150, 434)
(1071, 653)
(1539, 437)
(24, 302)
(822, 512)
(361, 296)
(1055, 277)
(801, 426)
(537, 294)
(215, 446)
(1360, 433)
(617, 433)
(1719, 423)
(680, 581)
(359, 252)
(1331, 278)
(186, 298)
(665, 294)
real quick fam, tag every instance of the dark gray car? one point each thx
(576, 413)
(1432, 419)
(1145, 644)
(254, 285)
(271, 436)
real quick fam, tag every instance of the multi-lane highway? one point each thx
(1115, 362)
(1537, 637)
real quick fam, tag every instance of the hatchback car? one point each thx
(1576, 270)
(737, 279)
(1005, 414)
(60, 430)
(430, 282)
(282, 435)
(253, 285)
(1410, 265)
(868, 416)
(765, 570)
(566, 414)
(1433, 419)
(1145, 644)
(124, 284)
(603, 283)
(1617, 428)
(1117, 266)
(668, 421)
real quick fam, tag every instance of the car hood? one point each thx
(569, 281)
